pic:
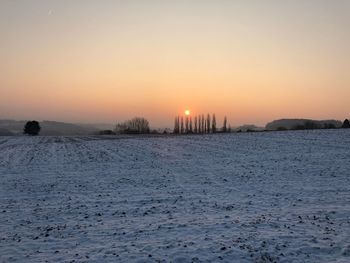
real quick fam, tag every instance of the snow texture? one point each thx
(250, 197)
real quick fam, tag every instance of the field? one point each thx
(250, 197)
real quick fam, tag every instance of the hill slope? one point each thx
(293, 123)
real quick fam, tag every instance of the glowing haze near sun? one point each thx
(102, 61)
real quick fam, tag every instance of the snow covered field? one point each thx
(250, 197)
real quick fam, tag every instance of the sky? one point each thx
(107, 61)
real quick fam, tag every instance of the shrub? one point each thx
(106, 132)
(32, 128)
(346, 124)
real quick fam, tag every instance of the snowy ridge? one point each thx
(256, 197)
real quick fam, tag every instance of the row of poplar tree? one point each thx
(199, 124)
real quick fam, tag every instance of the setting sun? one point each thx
(187, 112)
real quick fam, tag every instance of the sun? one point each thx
(187, 112)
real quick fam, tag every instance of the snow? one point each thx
(249, 197)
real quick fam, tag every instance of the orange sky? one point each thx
(103, 61)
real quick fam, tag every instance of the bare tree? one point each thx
(136, 125)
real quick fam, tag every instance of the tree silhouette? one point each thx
(195, 124)
(191, 126)
(136, 125)
(32, 128)
(186, 125)
(213, 124)
(182, 130)
(198, 124)
(208, 123)
(224, 128)
(177, 125)
(346, 124)
(202, 124)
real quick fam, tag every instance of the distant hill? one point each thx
(61, 128)
(290, 124)
(248, 127)
(99, 126)
(12, 127)
(5, 132)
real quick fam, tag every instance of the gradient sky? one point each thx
(103, 61)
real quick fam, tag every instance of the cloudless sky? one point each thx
(103, 61)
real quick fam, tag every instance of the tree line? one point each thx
(199, 124)
(136, 125)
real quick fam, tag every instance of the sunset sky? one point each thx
(103, 61)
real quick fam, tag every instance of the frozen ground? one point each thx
(258, 197)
